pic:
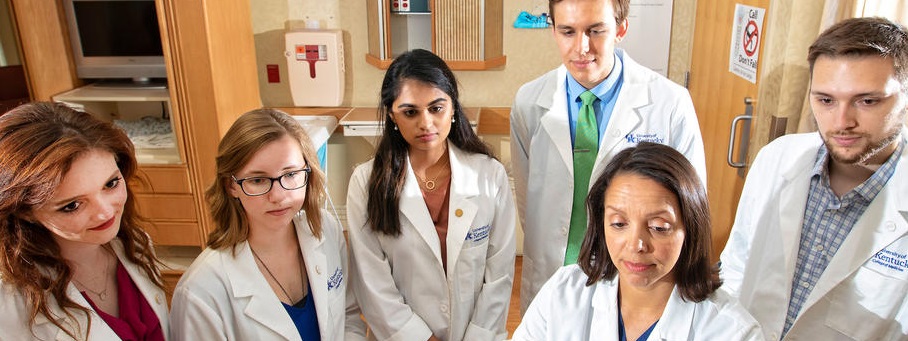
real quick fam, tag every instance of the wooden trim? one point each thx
(471, 65)
(46, 52)
(174, 233)
(162, 179)
(494, 37)
(386, 9)
(375, 44)
(377, 62)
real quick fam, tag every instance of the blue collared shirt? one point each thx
(827, 222)
(607, 92)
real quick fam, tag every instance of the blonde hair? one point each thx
(252, 131)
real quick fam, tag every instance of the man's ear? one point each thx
(621, 30)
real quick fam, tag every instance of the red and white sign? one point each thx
(747, 34)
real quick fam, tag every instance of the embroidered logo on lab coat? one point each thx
(336, 279)
(478, 234)
(637, 138)
(890, 261)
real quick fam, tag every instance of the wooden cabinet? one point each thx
(210, 56)
(162, 187)
(467, 34)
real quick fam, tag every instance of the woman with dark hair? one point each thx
(644, 269)
(276, 263)
(431, 217)
(75, 262)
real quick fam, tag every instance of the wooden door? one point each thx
(718, 97)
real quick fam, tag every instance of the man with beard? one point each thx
(819, 248)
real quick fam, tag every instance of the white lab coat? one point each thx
(649, 108)
(401, 285)
(566, 309)
(14, 309)
(862, 293)
(222, 297)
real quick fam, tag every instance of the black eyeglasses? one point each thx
(260, 185)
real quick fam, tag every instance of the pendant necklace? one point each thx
(100, 294)
(430, 184)
(289, 299)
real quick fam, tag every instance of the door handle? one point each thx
(747, 118)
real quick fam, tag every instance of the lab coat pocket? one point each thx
(870, 295)
(471, 267)
(335, 283)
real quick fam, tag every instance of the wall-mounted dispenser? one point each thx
(315, 66)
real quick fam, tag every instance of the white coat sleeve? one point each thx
(520, 157)
(191, 318)
(388, 316)
(686, 136)
(490, 314)
(534, 326)
(354, 326)
(740, 241)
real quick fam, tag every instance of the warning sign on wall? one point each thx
(747, 33)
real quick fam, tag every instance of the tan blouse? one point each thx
(437, 203)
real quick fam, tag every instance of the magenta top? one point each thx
(137, 320)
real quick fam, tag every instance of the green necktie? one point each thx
(586, 146)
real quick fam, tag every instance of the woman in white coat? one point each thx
(275, 267)
(643, 271)
(431, 217)
(74, 260)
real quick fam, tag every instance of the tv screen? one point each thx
(115, 39)
(118, 28)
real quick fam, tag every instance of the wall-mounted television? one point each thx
(115, 39)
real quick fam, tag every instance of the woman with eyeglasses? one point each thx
(276, 263)
(431, 217)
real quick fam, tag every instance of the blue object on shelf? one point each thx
(527, 20)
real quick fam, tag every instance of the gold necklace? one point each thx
(289, 299)
(103, 293)
(430, 184)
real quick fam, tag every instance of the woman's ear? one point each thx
(233, 189)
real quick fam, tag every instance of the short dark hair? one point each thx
(621, 8)
(872, 36)
(695, 277)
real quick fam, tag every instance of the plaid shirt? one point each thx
(827, 222)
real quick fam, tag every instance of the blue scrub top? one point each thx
(304, 317)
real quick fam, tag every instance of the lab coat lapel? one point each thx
(626, 115)
(555, 119)
(151, 292)
(99, 332)
(414, 209)
(675, 322)
(792, 201)
(248, 284)
(884, 221)
(605, 311)
(316, 262)
(463, 178)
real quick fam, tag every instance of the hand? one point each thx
(433, 338)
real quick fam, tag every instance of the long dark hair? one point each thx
(388, 169)
(38, 144)
(695, 277)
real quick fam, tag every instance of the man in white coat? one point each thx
(632, 104)
(819, 245)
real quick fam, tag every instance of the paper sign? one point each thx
(747, 33)
(649, 33)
